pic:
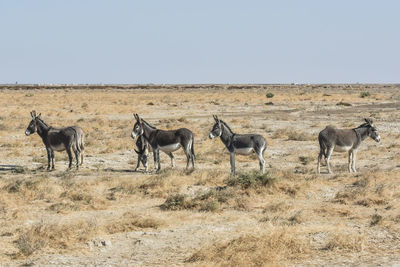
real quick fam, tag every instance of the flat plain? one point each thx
(106, 214)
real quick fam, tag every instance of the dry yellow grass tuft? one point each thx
(346, 242)
(55, 236)
(129, 222)
(278, 246)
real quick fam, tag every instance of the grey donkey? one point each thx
(345, 140)
(167, 141)
(244, 144)
(143, 152)
(58, 139)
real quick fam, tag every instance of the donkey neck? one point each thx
(148, 130)
(226, 135)
(42, 128)
(362, 132)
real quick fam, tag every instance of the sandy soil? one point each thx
(105, 214)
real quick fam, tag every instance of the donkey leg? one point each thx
(350, 159)
(48, 159)
(191, 152)
(157, 163)
(138, 162)
(145, 162)
(187, 160)
(354, 161)
(232, 159)
(328, 157)
(321, 153)
(76, 152)
(69, 157)
(52, 159)
(172, 159)
(188, 156)
(261, 161)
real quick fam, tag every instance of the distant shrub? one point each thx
(269, 95)
(364, 94)
(341, 103)
(174, 202)
(376, 219)
(251, 179)
(305, 159)
(295, 135)
(210, 200)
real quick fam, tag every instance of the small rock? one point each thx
(101, 243)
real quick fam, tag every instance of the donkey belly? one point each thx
(170, 148)
(58, 147)
(342, 148)
(244, 150)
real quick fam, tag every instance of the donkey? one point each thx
(143, 152)
(58, 139)
(167, 141)
(345, 140)
(243, 144)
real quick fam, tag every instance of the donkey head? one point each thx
(217, 128)
(142, 152)
(138, 127)
(372, 130)
(32, 127)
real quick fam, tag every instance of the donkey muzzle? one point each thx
(211, 136)
(27, 132)
(133, 135)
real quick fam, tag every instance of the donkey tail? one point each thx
(77, 143)
(322, 145)
(192, 149)
(82, 142)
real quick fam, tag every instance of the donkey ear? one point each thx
(216, 118)
(33, 114)
(137, 152)
(40, 114)
(369, 121)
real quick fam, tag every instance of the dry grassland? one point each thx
(105, 214)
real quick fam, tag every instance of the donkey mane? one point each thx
(45, 124)
(226, 125)
(362, 125)
(148, 124)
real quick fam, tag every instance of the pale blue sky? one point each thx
(187, 41)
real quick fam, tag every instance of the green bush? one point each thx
(269, 95)
(364, 94)
(251, 180)
(205, 201)
(174, 202)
